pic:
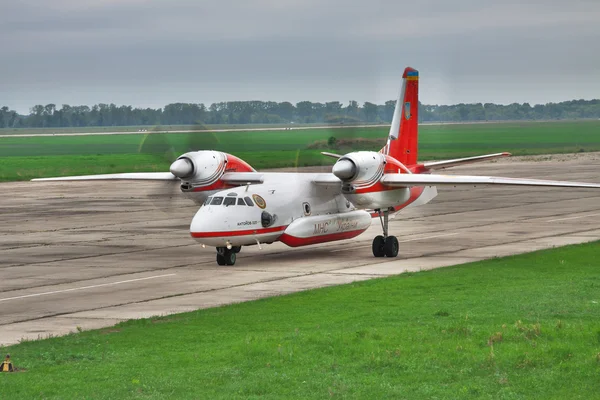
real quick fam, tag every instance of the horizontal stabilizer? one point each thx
(433, 165)
(406, 180)
(136, 176)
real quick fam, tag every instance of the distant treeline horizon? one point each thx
(270, 112)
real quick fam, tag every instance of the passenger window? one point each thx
(249, 201)
(229, 201)
(207, 201)
(216, 201)
(241, 202)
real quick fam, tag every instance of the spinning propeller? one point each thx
(166, 148)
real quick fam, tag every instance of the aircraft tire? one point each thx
(391, 246)
(378, 246)
(220, 259)
(230, 257)
(236, 249)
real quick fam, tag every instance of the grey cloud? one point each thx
(150, 52)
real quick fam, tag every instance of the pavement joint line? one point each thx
(275, 279)
(411, 240)
(282, 251)
(66, 316)
(106, 225)
(452, 253)
(474, 226)
(63, 314)
(95, 255)
(577, 217)
(573, 233)
(85, 287)
(105, 276)
(522, 204)
(372, 274)
(403, 219)
(395, 220)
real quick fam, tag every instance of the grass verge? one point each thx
(519, 327)
(27, 157)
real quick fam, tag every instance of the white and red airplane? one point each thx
(242, 207)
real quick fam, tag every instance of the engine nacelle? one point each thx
(361, 173)
(201, 171)
(360, 169)
(200, 168)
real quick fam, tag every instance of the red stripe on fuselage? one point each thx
(294, 241)
(245, 232)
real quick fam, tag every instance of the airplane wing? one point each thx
(140, 176)
(407, 180)
(235, 178)
(326, 179)
(242, 178)
(433, 165)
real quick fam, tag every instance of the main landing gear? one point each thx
(227, 256)
(385, 245)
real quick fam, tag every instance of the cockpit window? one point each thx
(207, 201)
(216, 201)
(229, 201)
(249, 201)
(241, 202)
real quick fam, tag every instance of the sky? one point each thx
(148, 53)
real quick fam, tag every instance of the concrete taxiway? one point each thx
(90, 254)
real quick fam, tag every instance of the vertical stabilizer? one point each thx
(402, 141)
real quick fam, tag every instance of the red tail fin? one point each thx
(403, 137)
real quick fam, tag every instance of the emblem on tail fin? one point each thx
(407, 110)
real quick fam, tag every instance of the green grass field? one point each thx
(513, 328)
(60, 155)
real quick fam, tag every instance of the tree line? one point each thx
(270, 112)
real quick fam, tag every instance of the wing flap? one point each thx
(138, 176)
(406, 180)
(433, 165)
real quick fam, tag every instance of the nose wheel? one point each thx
(385, 245)
(227, 256)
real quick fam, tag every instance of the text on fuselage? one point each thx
(342, 225)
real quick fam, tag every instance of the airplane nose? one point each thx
(182, 168)
(199, 222)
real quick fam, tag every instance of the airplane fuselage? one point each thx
(289, 207)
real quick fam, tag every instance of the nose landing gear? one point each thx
(385, 246)
(227, 256)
